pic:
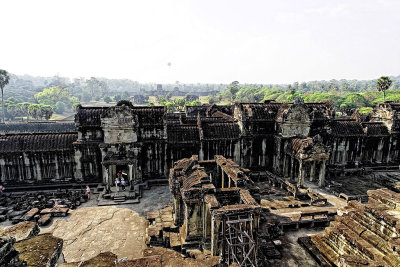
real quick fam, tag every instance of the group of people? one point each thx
(120, 182)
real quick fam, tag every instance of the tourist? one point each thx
(117, 184)
(88, 191)
(123, 183)
(1, 189)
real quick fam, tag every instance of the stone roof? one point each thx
(37, 127)
(37, 142)
(376, 129)
(178, 133)
(89, 116)
(347, 128)
(212, 131)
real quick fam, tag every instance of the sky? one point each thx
(205, 41)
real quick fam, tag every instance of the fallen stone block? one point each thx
(45, 219)
(41, 250)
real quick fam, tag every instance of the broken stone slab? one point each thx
(55, 212)
(41, 250)
(30, 214)
(20, 231)
(44, 219)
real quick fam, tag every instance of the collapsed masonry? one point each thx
(213, 210)
(363, 235)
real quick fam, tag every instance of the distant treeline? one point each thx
(342, 94)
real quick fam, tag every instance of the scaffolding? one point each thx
(238, 242)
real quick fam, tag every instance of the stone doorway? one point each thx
(124, 170)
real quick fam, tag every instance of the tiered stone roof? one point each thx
(37, 142)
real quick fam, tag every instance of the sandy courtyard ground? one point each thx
(92, 230)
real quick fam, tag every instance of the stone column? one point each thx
(201, 152)
(130, 173)
(379, 153)
(56, 167)
(300, 181)
(312, 171)
(110, 180)
(285, 166)
(3, 170)
(28, 166)
(78, 165)
(264, 152)
(38, 169)
(322, 174)
(291, 168)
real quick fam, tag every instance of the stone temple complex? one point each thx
(240, 177)
(299, 141)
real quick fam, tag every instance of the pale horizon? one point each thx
(263, 42)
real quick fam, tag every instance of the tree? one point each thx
(34, 111)
(50, 96)
(46, 112)
(4, 80)
(117, 98)
(60, 107)
(233, 89)
(383, 84)
(25, 109)
(107, 99)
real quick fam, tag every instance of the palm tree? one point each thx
(4, 79)
(383, 84)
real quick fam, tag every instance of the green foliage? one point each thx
(233, 89)
(211, 99)
(107, 99)
(52, 95)
(150, 104)
(383, 84)
(365, 110)
(46, 111)
(354, 100)
(170, 106)
(117, 98)
(34, 111)
(4, 80)
(193, 103)
(59, 108)
(180, 102)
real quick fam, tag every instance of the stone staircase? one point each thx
(119, 198)
(162, 231)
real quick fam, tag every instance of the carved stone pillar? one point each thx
(380, 152)
(201, 152)
(56, 167)
(110, 180)
(300, 181)
(322, 174)
(38, 169)
(27, 166)
(291, 167)
(78, 165)
(3, 170)
(130, 173)
(285, 166)
(312, 171)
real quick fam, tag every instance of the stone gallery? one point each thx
(297, 141)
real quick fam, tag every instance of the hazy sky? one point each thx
(210, 41)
